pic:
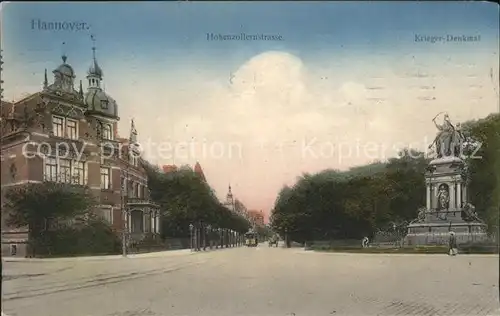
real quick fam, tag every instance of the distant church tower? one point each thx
(229, 200)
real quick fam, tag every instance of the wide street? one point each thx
(258, 281)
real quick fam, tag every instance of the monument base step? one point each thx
(439, 233)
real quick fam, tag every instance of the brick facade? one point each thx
(60, 134)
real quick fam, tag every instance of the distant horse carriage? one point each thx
(251, 239)
(273, 242)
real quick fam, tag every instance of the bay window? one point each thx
(65, 170)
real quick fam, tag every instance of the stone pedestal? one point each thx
(444, 212)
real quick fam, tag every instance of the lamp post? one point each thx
(225, 238)
(124, 195)
(191, 235)
(209, 233)
(220, 237)
(286, 237)
(197, 237)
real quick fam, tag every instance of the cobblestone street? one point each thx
(253, 281)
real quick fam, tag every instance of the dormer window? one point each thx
(104, 104)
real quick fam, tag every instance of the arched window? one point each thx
(107, 132)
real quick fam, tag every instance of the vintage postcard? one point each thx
(250, 158)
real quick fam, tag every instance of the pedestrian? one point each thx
(452, 251)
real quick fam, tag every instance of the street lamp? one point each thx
(191, 235)
(221, 243)
(226, 241)
(209, 228)
(124, 196)
(286, 237)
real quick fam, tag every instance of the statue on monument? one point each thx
(443, 198)
(469, 213)
(420, 215)
(449, 139)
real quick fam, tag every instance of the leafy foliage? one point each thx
(484, 168)
(36, 205)
(47, 208)
(353, 204)
(94, 237)
(185, 199)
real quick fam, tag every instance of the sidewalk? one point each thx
(158, 254)
(347, 253)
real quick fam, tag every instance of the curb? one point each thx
(159, 254)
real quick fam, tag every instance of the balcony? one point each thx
(137, 202)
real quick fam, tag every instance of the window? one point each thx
(104, 104)
(107, 132)
(51, 169)
(65, 170)
(136, 190)
(58, 126)
(107, 215)
(79, 173)
(134, 158)
(105, 179)
(62, 127)
(130, 187)
(71, 129)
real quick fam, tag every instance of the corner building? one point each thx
(63, 134)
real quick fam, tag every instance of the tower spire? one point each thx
(93, 46)
(45, 81)
(94, 74)
(80, 92)
(133, 133)
(64, 56)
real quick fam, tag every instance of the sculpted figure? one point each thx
(449, 138)
(421, 214)
(443, 197)
(469, 213)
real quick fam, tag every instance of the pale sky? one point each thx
(258, 114)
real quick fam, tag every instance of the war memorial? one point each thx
(447, 206)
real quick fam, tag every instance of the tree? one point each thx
(185, 199)
(42, 206)
(353, 204)
(356, 203)
(239, 207)
(37, 204)
(484, 166)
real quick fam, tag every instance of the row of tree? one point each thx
(186, 199)
(61, 221)
(357, 203)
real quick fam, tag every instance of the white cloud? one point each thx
(276, 102)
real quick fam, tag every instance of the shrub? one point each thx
(479, 247)
(95, 237)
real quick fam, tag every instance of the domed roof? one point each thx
(94, 69)
(98, 101)
(65, 69)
